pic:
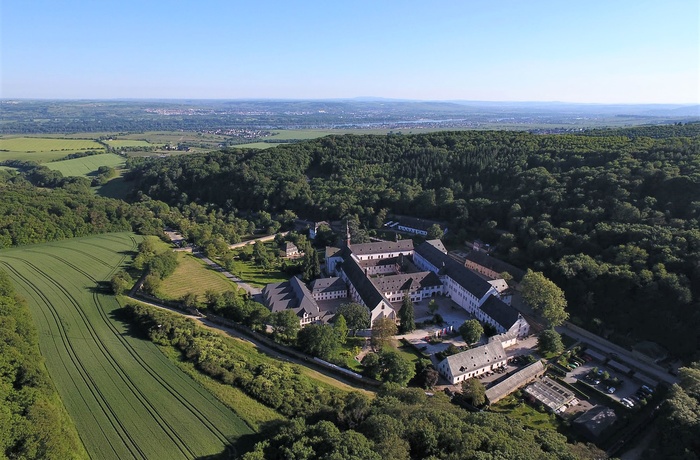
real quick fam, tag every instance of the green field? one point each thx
(41, 149)
(254, 275)
(193, 275)
(128, 143)
(127, 399)
(85, 166)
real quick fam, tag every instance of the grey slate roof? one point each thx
(368, 292)
(501, 312)
(438, 244)
(327, 285)
(458, 272)
(596, 420)
(514, 381)
(494, 264)
(292, 294)
(406, 281)
(332, 251)
(476, 358)
(379, 247)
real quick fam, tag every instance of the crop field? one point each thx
(86, 165)
(41, 149)
(193, 275)
(127, 399)
(128, 143)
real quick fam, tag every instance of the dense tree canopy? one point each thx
(356, 316)
(611, 218)
(545, 297)
(408, 424)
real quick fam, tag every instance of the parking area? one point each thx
(615, 384)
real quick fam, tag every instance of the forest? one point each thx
(613, 218)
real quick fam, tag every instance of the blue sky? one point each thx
(619, 51)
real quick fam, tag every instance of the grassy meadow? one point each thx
(195, 276)
(86, 166)
(41, 149)
(128, 400)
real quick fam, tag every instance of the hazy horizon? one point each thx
(628, 52)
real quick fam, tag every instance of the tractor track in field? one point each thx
(97, 394)
(167, 429)
(137, 358)
(125, 378)
(210, 426)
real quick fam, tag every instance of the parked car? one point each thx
(611, 390)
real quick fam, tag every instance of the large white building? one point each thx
(473, 362)
(469, 290)
(378, 275)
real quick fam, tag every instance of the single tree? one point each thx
(311, 268)
(388, 366)
(356, 316)
(549, 341)
(545, 297)
(261, 255)
(433, 306)
(473, 392)
(429, 377)
(435, 232)
(371, 365)
(189, 300)
(318, 340)
(471, 331)
(340, 327)
(285, 326)
(407, 315)
(258, 316)
(121, 282)
(396, 368)
(382, 330)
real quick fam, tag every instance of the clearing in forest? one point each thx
(86, 166)
(127, 399)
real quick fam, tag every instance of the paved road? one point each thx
(253, 291)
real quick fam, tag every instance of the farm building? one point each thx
(514, 381)
(593, 422)
(549, 393)
(472, 363)
(491, 267)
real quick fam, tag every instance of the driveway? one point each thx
(253, 291)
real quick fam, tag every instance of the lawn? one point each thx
(193, 275)
(409, 353)
(41, 149)
(127, 399)
(254, 275)
(115, 188)
(86, 166)
(528, 415)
